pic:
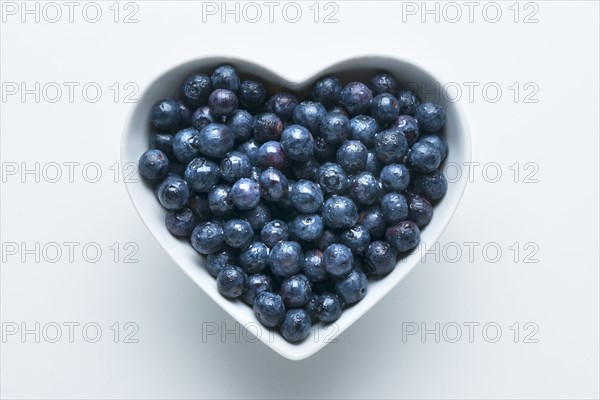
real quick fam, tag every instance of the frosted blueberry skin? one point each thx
(339, 109)
(339, 212)
(254, 257)
(266, 127)
(408, 126)
(258, 216)
(252, 93)
(185, 115)
(328, 238)
(269, 308)
(225, 77)
(403, 236)
(199, 205)
(245, 194)
(373, 164)
(274, 232)
(195, 90)
(240, 123)
(180, 222)
(215, 140)
(286, 258)
(186, 145)
(438, 142)
(283, 104)
(163, 142)
(238, 233)
(332, 178)
(295, 326)
(352, 156)
(165, 115)
(431, 117)
(338, 260)
(230, 281)
(327, 91)
(363, 128)
(324, 151)
(334, 128)
(254, 285)
(222, 102)
(273, 184)
(394, 207)
(202, 117)
(420, 211)
(391, 146)
(207, 237)
(356, 98)
(314, 269)
(307, 227)
(394, 177)
(173, 192)
(424, 157)
(365, 188)
(352, 288)
(306, 169)
(297, 143)
(251, 148)
(383, 82)
(385, 108)
(270, 154)
(380, 258)
(408, 101)
(372, 219)
(432, 186)
(357, 239)
(234, 166)
(309, 114)
(306, 196)
(328, 307)
(202, 174)
(219, 260)
(220, 201)
(153, 165)
(295, 291)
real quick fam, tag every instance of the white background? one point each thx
(558, 294)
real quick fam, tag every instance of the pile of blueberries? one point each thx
(294, 201)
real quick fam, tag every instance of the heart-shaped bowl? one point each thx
(136, 140)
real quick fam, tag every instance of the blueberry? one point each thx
(199, 205)
(363, 128)
(307, 227)
(238, 233)
(220, 202)
(394, 207)
(432, 185)
(173, 192)
(295, 291)
(267, 126)
(394, 177)
(306, 169)
(252, 93)
(339, 212)
(219, 260)
(274, 232)
(356, 98)
(380, 258)
(403, 236)
(372, 219)
(365, 188)
(329, 237)
(424, 157)
(431, 117)
(240, 123)
(255, 174)
(383, 82)
(391, 146)
(339, 109)
(356, 239)
(337, 259)
(420, 210)
(306, 196)
(295, 326)
(385, 108)
(185, 115)
(408, 126)
(215, 140)
(408, 102)
(373, 164)
(353, 287)
(186, 145)
(165, 115)
(283, 104)
(297, 143)
(254, 285)
(332, 178)
(352, 156)
(163, 142)
(309, 114)
(329, 307)
(222, 102)
(153, 165)
(438, 142)
(180, 222)
(195, 90)
(327, 91)
(271, 154)
(286, 258)
(334, 128)
(273, 184)
(230, 281)
(225, 77)
(250, 148)
(269, 308)
(202, 117)
(258, 216)
(324, 151)
(207, 237)
(311, 308)
(245, 194)
(254, 258)
(202, 174)
(234, 166)
(314, 269)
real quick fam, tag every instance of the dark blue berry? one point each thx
(372, 219)
(230, 281)
(273, 184)
(240, 123)
(324, 151)
(295, 326)
(385, 108)
(307, 227)
(352, 288)
(306, 169)
(431, 117)
(394, 207)
(185, 115)
(283, 104)
(295, 291)
(254, 258)
(252, 93)
(220, 202)
(328, 308)
(165, 115)
(274, 232)
(309, 114)
(267, 126)
(329, 237)
(380, 258)
(373, 164)
(334, 128)
(199, 205)
(207, 237)
(270, 154)
(408, 126)
(219, 260)
(424, 157)
(391, 146)
(338, 260)
(181, 222)
(173, 192)
(195, 90)
(215, 140)
(365, 188)
(363, 128)
(286, 258)
(186, 145)
(327, 91)
(245, 194)
(356, 98)
(222, 102)
(339, 212)
(403, 236)
(408, 102)
(254, 285)
(153, 164)
(202, 174)
(258, 216)
(438, 142)
(163, 142)
(356, 239)
(306, 196)
(238, 233)
(394, 177)
(234, 166)
(250, 149)
(297, 143)
(420, 210)
(432, 185)
(332, 178)
(269, 308)
(383, 82)
(225, 77)
(314, 269)
(311, 308)
(352, 156)
(202, 117)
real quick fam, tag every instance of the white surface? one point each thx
(559, 214)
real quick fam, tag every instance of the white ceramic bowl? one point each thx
(135, 142)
